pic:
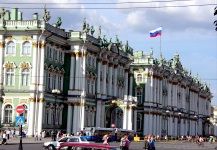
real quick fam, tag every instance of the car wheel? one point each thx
(51, 147)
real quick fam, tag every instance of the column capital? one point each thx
(43, 44)
(2, 44)
(116, 66)
(99, 59)
(34, 44)
(126, 70)
(72, 54)
(41, 100)
(104, 62)
(31, 99)
(69, 103)
(110, 64)
(131, 74)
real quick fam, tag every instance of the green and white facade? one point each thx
(100, 82)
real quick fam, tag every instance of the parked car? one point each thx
(86, 146)
(53, 145)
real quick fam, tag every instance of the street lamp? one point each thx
(56, 92)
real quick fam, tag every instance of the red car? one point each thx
(86, 146)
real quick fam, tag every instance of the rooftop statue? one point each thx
(59, 22)
(104, 41)
(117, 40)
(46, 15)
(2, 14)
(151, 53)
(87, 28)
(92, 30)
(99, 32)
(84, 25)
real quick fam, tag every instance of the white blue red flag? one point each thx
(156, 32)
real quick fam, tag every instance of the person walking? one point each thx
(147, 145)
(105, 139)
(152, 142)
(125, 143)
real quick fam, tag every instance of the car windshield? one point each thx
(83, 139)
(63, 139)
(73, 140)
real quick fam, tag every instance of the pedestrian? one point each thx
(147, 145)
(122, 143)
(105, 139)
(125, 143)
(36, 136)
(40, 136)
(152, 142)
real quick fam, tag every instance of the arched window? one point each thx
(10, 48)
(139, 94)
(139, 122)
(25, 77)
(8, 114)
(54, 81)
(25, 114)
(10, 77)
(26, 50)
(139, 78)
(49, 81)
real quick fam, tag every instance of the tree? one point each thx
(215, 13)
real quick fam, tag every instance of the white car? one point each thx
(53, 145)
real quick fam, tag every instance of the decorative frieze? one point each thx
(23, 101)
(8, 101)
(26, 38)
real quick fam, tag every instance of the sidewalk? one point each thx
(27, 140)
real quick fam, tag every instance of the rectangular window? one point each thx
(25, 80)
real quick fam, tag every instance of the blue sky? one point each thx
(188, 31)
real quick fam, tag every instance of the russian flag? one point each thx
(156, 32)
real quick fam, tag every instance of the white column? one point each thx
(146, 124)
(31, 117)
(77, 72)
(104, 63)
(81, 124)
(154, 89)
(170, 126)
(110, 79)
(125, 117)
(169, 94)
(40, 114)
(135, 120)
(98, 113)
(126, 82)
(102, 117)
(160, 125)
(131, 84)
(150, 124)
(154, 124)
(41, 68)
(130, 118)
(1, 70)
(72, 71)
(115, 80)
(69, 119)
(98, 78)
(34, 64)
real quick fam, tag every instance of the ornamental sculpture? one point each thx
(46, 15)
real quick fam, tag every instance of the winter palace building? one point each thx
(72, 79)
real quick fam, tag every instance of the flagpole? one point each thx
(160, 43)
